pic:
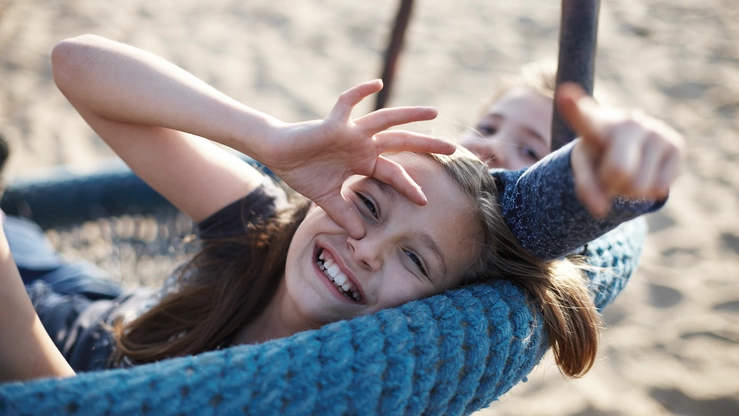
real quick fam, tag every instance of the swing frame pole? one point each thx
(578, 37)
(393, 51)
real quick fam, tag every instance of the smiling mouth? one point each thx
(339, 279)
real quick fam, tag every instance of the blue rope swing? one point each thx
(451, 354)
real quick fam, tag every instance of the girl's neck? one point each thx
(278, 320)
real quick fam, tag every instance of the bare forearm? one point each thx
(128, 85)
(26, 351)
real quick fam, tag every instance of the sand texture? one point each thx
(672, 342)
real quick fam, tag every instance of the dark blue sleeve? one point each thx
(541, 208)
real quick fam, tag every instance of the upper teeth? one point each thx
(333, 272)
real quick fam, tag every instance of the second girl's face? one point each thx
(515, 131)
(408, 252)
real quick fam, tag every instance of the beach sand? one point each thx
(672, 340)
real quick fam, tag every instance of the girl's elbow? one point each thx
(67, 59)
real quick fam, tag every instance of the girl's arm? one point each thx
(154, 114)
(541, 207)
(26, 350)
(621, 168)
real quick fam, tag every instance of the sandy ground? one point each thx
(672, 343)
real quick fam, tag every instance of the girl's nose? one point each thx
(366, 251)
(490, 150)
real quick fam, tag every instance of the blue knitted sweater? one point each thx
(450, 354)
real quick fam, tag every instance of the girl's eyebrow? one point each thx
(528, 130)
(387, 190)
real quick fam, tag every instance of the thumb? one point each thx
(343, 214)
(579, 111)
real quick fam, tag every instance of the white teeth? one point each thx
(340, 279)
(334, 271)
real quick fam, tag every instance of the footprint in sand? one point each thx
(659, 221)
(724, 336)
(730, 241)
(677, 402)
(663, 297)
(680, 256)
(688, 90)
(732, 306)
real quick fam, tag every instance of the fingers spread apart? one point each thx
(389, 117)
(394, 141)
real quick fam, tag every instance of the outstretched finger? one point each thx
(395, 175)
(393, 141)
(348, 99)
(388, 117)
(579, 111)
(342, 212)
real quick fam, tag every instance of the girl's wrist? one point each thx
(257, 140)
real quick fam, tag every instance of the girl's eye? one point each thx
(370, 206)
(487, 129)
(415, 259)
(530, 153)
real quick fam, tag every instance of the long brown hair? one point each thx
(236, 278)
(556, 288)
(233, 281)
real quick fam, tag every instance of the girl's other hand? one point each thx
(316, 157)
(620, 153)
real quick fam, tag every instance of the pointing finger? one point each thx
(579, 111)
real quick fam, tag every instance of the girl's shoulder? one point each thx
(233, 219)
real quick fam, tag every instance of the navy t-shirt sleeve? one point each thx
(232, 220)
(542, 210)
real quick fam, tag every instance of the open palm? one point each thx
(316, 157)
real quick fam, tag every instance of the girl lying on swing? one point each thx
(385, 217)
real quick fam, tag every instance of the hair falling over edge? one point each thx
(558, 289)
(236, 278)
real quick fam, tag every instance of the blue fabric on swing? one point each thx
(450, 354)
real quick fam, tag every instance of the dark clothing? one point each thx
(79, 310)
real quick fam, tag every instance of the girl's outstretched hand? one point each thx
(620, 153)
(315, 158)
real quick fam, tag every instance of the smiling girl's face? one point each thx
(408, 252)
